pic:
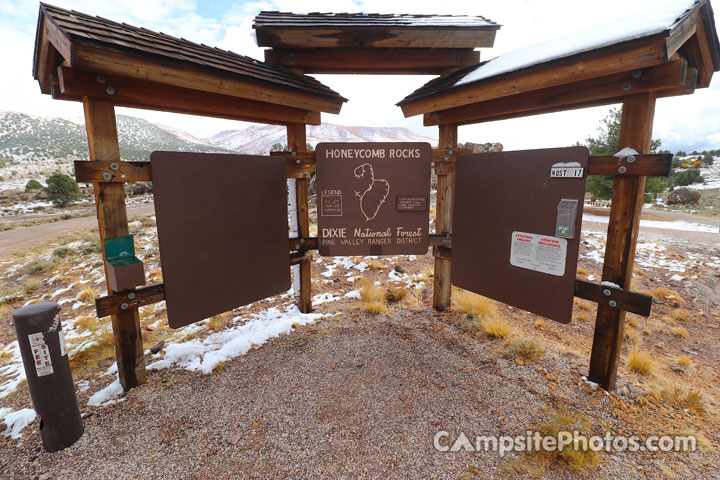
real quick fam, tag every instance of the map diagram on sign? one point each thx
(374, 195)
(373, 198)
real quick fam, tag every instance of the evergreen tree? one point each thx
(607, 143)
(62, 189)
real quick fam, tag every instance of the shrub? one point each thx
(528, 348)
(39, 265)
(684, 196)
(62, 252)
(62, 189)
(33, 185)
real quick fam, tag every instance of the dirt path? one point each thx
(18, 239)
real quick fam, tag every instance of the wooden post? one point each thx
(627, 202)
(443, 221)
(297, 143)
(112, 223)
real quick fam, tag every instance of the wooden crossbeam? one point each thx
(610, 89)
(132, 92)
(628, 301)
(609, 61)
(429, 61)
(131, 299)
(108, 62)
(117, 172)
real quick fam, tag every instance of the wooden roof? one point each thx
(365, 30)
(72, 50)
(669, 61)
(373, 43)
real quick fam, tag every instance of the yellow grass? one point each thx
(87, 295)
(583, 272)
(681, 314)
(497, 327)
(473, 304)
(375, 264)
(372, 297)
(680, 332)
(640, 361)
(670, 296)
(683, 361)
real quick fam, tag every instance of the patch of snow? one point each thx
(205, 355)
(18, 420)
(14, 370)
(606, 283)
(107, 396)
(668, 225)
(324, 298)
(626, 152)
(353, 294)
(653, 21)
(676, 278)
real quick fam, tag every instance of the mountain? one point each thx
(259, 139)
(34, 147)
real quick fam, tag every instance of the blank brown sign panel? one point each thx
(516, 227)
(373, 198)
(222, 230)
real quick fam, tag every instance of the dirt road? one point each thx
(19, 239)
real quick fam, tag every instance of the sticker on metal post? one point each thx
(41, 354)
(541, 253)
(567, 170)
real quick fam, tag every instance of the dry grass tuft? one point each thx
(496, 327)
(582, 271)
(640, 361)
(684, 361)
(528, 348)
(473, 304)
(372, 297)
(680, 332)
(218, 322)
(690, 401)
(681, 314)
(470, 325)
(375, 264)
(395, 294)
(90, 358)
(578, 458)
(87, 295)
(670, 296)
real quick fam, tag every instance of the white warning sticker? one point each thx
(541, 253)
(63, 349)
(41, 354)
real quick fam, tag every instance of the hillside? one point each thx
(33, 147)
(259, 139)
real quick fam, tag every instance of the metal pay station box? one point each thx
(517, 220)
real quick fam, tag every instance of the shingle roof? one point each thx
(316, 19)
(658, 22)
(100, 32)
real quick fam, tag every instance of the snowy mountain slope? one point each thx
(258, 139)
(34, 147)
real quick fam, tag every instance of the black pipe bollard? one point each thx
(49, 378)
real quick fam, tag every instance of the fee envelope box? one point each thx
(124, 269)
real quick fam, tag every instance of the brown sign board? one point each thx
(222, 231)
(516, 227)
(373, 198)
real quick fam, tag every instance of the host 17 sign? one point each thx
(373, 198)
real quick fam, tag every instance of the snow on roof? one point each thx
(657, 20)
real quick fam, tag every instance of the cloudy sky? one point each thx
(687, 122)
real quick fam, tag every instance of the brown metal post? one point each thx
(297, 143)
(627, 201)
(112, 223)
(443, 221)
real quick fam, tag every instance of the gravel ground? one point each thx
(358, 397)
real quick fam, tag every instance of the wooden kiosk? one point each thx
(103, 64)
